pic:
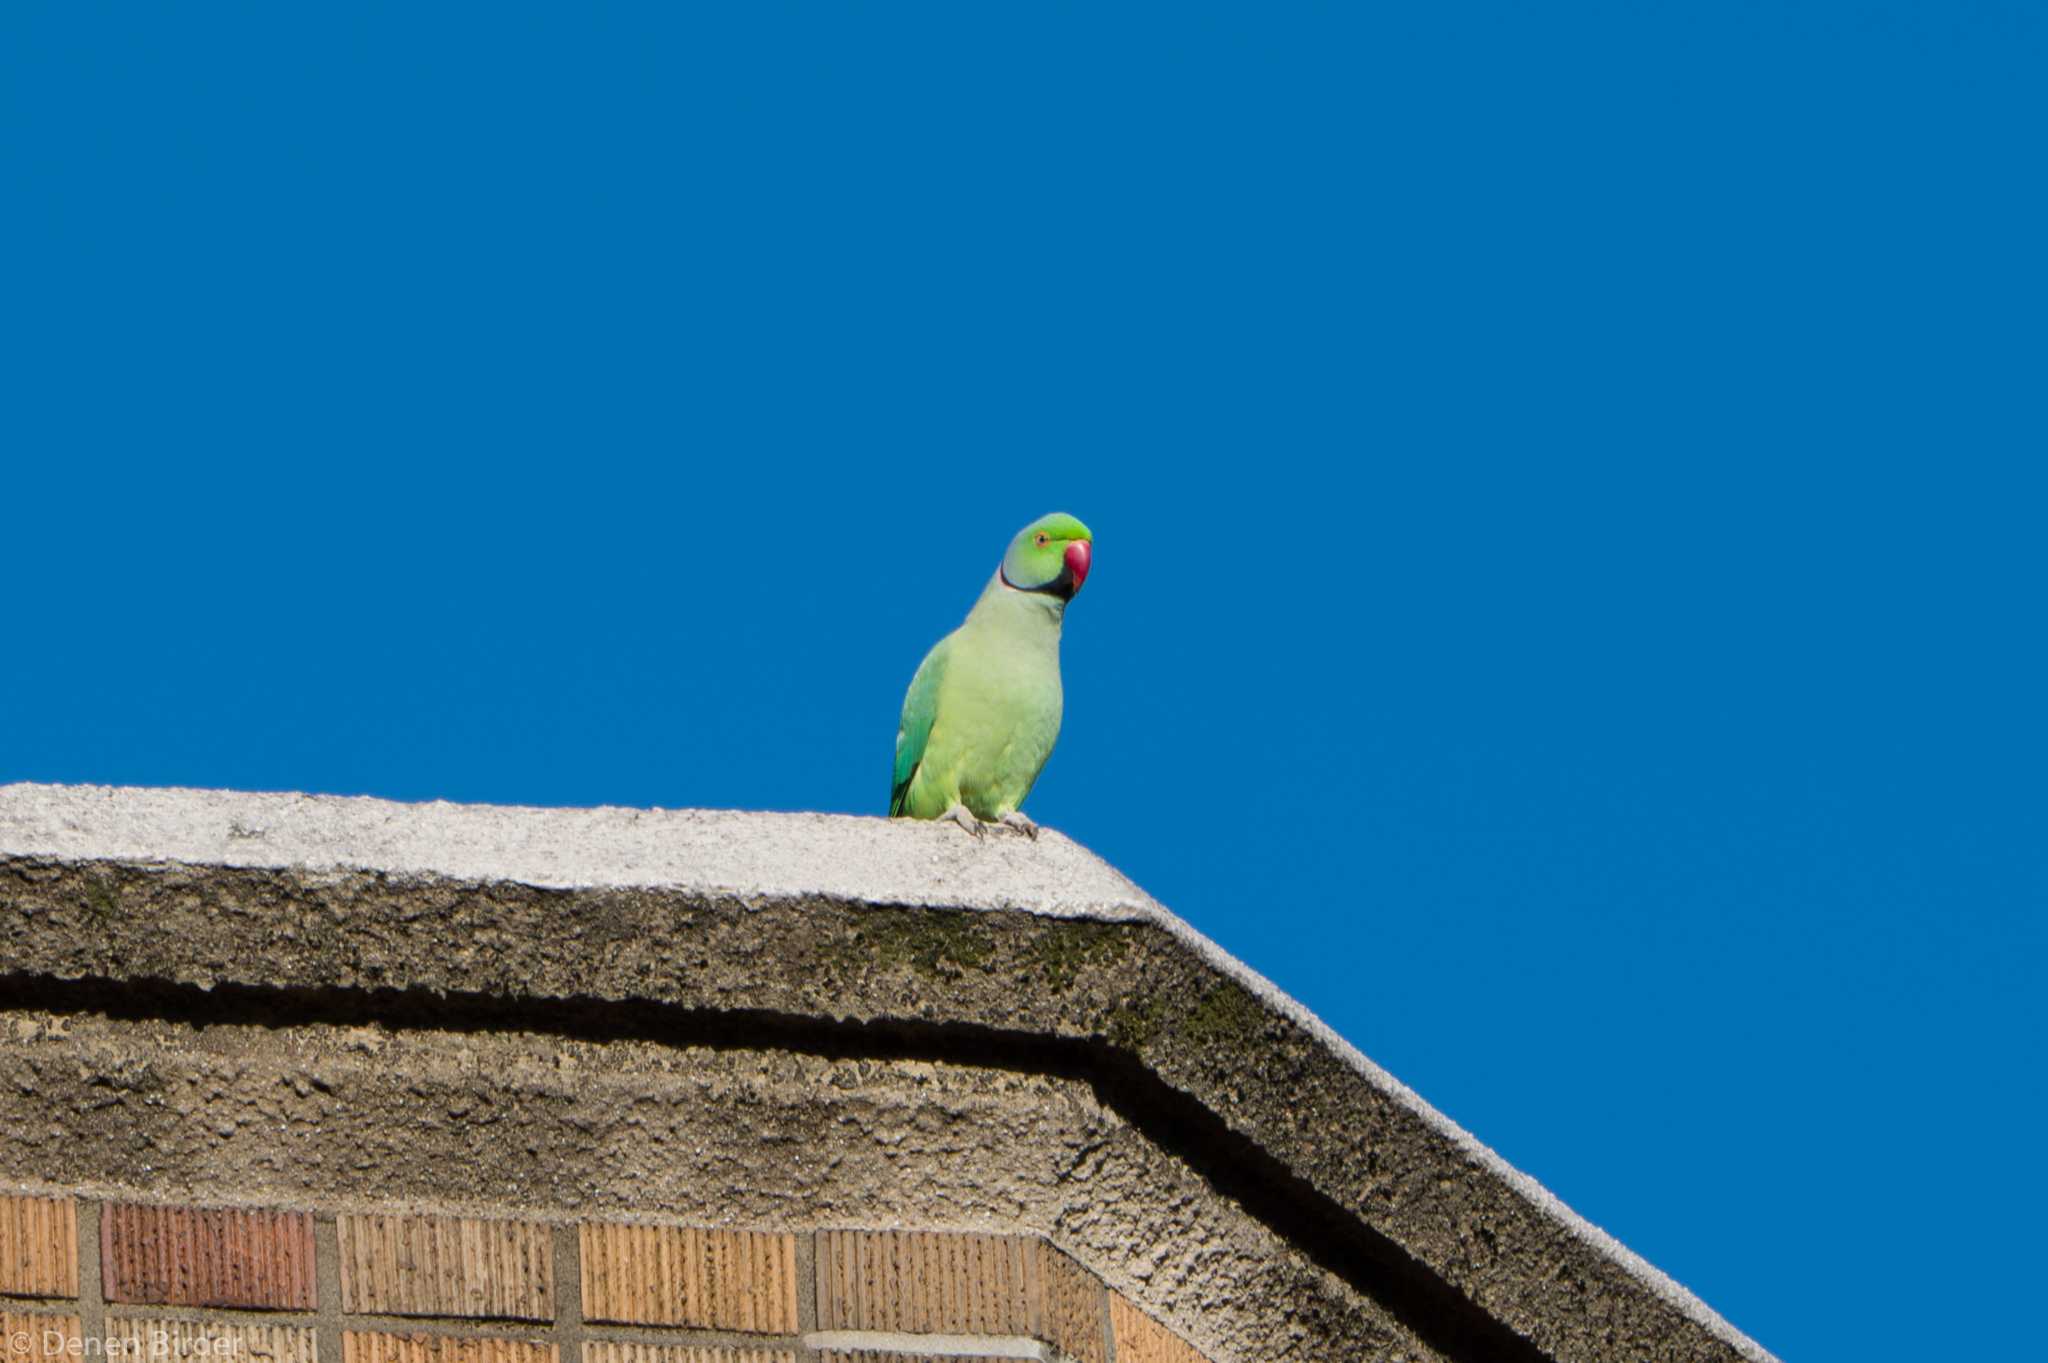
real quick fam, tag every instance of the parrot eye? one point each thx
(1043, 539)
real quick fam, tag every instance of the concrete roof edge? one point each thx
(1637, 1267)
(756, 855)
(722, 852)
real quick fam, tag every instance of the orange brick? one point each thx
(185, 1256)
(376, 1346)
(1141, 1339)
(611, 1351)
(31, 1337)
(927, 1282)
(681, 1275)
(143, 1340)
(447, 1266)
(39, 1246)
(1073, 1314)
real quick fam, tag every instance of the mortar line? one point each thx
(327, 1342)
(689, 1337)
(907, 1343)
(19, 1302)
(806, 1282)
(227, 1315)
(454, 1327)
(568, 1323)
(92, 1298)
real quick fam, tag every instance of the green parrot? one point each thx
(984, 708)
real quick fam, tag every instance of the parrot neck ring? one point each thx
(1073, 572)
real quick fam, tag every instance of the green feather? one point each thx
(920, 708)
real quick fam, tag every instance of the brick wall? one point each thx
(82, 1278)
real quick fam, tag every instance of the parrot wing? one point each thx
(920, 708)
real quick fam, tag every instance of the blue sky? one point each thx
(1567, 482)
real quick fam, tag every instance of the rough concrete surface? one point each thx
(710, 851)
(329, 1118)
(1000, 956)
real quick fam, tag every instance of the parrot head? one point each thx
(1050, 555)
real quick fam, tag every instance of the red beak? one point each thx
(1077, 562)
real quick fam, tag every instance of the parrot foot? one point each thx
(963, 816)
(1015, 820)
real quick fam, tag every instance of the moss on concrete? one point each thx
(1060, 953)
(1227, 1016)
(935, 945)
(1136, 1022)
(102, 896)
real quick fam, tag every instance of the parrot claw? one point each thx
(1015, 819)
(963, 816)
